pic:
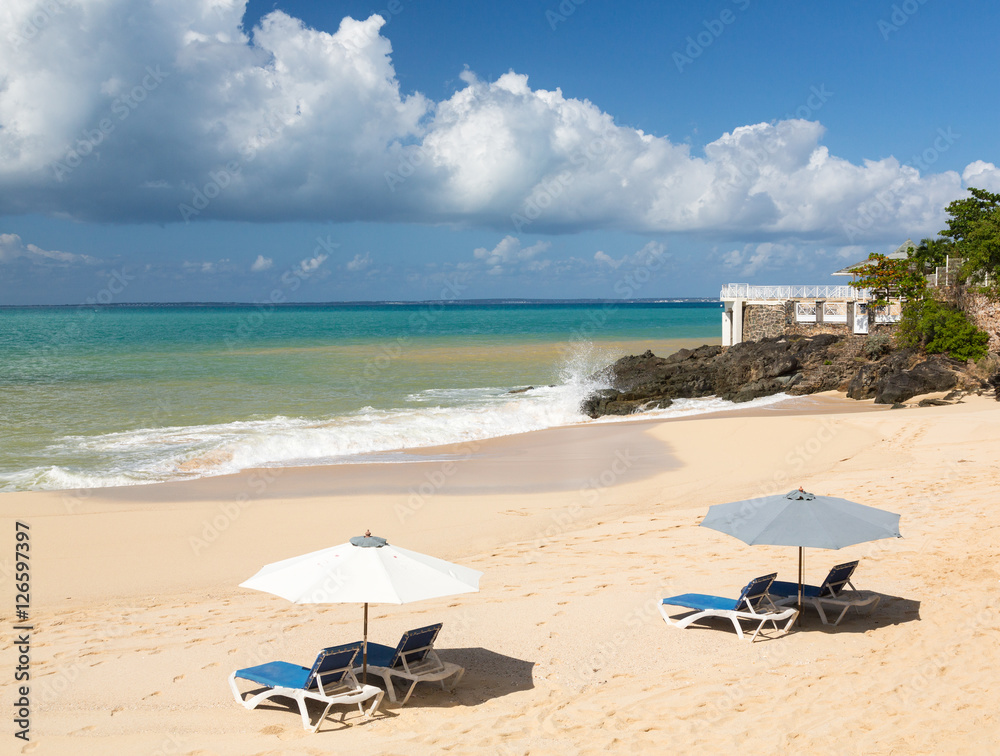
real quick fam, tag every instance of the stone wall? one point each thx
(984, 312)
(763, 321)
(767, 321)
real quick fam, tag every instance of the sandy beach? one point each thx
(138, 618)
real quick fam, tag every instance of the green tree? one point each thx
(938, 328)
(931, 254)
(974, 227)
(886, 278)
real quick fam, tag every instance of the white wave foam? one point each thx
(149, 455)
(702, 406)
(448, 416)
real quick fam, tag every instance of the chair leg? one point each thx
(822, 614)
(304, 711)
(388, 687)
(739, 630)
(455, 680)
(251, 703)
(373, 707)
(322, 716)
(791, 620)
(408, 693)
(236, 691)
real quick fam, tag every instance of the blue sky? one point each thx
(210, 150)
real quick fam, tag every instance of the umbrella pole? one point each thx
(364, 656)
(801, 581)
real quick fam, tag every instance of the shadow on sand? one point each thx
(890, 610)
(488, 675)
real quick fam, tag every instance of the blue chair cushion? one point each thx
(701, 601)
(379, 655)
(277, 674)
(784, 588)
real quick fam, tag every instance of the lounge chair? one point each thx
(832, 592)
(753, 604)
(330, 681)
(413, 659)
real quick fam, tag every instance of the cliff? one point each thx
(863, 367)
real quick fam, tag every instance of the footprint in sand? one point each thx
(272, 730)
(83, 730)
(178, 678)
(213, 664)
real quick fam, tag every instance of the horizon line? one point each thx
(375, 302)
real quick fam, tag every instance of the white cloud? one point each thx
(125, 110)
(982, 175)
(360, 262)
(309, 265)
(651, 253)
(262, 263)
(13, 248)
(606, 259)
(510, 254)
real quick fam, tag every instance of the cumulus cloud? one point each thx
(982, 175)
(309, 265)
(130, 110)
(652, 252)
(261, 264)
(13, 248)
(360, 262)
(510, 254)
(606, 259)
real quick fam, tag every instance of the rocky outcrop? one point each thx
(935, 374)
(793, 365)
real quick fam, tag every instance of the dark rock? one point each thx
(994, 381)
(898, 405)
(870, 377)
(931, 375)
(520, 391)
(933, 403)
(796, 365)
(743, 372)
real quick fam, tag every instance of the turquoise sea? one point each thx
(118, 395)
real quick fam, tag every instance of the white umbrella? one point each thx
(364, 570)
(802, 519)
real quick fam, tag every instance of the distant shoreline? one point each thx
(687, 301)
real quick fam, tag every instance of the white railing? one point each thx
(746, 291)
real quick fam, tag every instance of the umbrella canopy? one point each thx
(364, 570)
(799, 518)
(802, 519)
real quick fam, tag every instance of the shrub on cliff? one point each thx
(938, 328)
